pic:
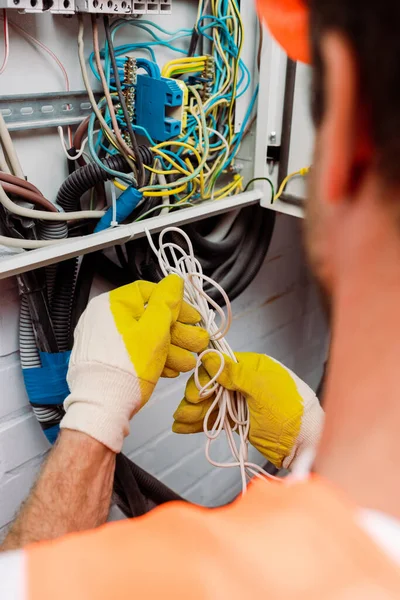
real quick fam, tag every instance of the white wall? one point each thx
(278, 314)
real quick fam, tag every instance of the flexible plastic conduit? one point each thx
(30, 358)
(52, 230)
(29, 353)
(84, 178)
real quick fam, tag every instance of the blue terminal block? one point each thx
(159, 107)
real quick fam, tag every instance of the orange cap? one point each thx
(287, 21)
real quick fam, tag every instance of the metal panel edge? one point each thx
(26, 261)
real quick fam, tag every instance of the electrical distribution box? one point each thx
(160, 106)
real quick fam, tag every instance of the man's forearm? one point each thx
(73, 492)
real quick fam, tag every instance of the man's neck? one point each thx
(361, 442)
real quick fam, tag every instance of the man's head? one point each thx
(355, 180)
(356, 83)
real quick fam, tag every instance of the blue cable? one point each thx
(239, 136)
(96, 158)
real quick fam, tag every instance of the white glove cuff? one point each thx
(97, 404)
(310, 432)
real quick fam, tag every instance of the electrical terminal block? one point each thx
(28, 6)
(63, 7)
(159, 106)
(207, 79)
(18, 4)
(152, 7)
(40, 6)
(129, 91)
(112, 7)
(130, 80)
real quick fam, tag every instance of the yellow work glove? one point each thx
(285, 415)
(124, 341)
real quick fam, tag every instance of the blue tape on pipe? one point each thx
(48, 384)
(126, 204)
(51, 433)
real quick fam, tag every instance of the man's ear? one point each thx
(344, 135)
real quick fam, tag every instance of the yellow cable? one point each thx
(159, 172)
(190, 194)
(172, 162)
(225, 194)
(165, 192)
(187, 59)
(177, 143)
(210, 108)
(236, 70)
(300, 173)
(180, 63)
(201, 176)
(119, 185)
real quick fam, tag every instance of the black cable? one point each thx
(126, 492)
(84, 178)
(287, 119)
(247, 259)
(83, 286)
(62, 302)
(132, 485)
(121, 256)
(221, 249)
(258, 257)
(132, 137)
(111, 272)
(194, 40)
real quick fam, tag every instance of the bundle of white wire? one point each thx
(232, 410)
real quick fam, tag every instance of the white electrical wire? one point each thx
(232, 410)
(44, 215)
(26, 244)
(9, 150)
(65, 147)
(162, 180)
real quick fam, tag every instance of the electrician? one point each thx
(332, 535)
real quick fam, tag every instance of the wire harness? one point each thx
(233, 415)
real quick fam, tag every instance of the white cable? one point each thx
(162, 180)
(114, 222)
(44, 215)
(9, 150)
(65, 147)
(27, 244)
(232, 410)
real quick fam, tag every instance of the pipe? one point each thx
(84, 178)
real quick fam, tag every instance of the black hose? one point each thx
(82, 290)
(84, 178)
(61, 306)
(219, 249)
(258, 257)
(126, 491)
(111, 272)
(249, 255)
(129, 478)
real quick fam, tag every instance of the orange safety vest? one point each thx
(281, 541)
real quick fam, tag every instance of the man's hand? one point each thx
(124, 342)
(285, 415)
